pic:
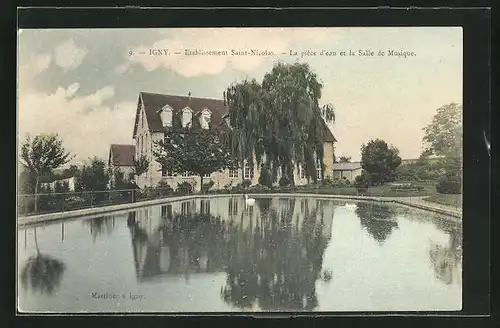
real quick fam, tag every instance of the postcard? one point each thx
(223, 170)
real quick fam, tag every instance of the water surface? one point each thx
(218, 255)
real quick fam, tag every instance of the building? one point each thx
(156, 112)
(122, 157)
(347, 171)
(160, 252)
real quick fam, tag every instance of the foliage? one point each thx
(246, 183)
(206, 186)
(280, 120)
(184, 188)
(380, 161)
(93, 176)
(450, 183)
(265, 177)
(196, 151)
(284, 181)
(362, 181)
(344, 159)
(377, 219)
(41, 155)
(117, 181)
(443, 136)
(141, 165)
(422, 170)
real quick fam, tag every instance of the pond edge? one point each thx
(454, 216)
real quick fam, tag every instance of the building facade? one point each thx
(156, 112)
(347, 171)
(122, 157)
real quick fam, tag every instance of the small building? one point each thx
(347, 171)
(122, 157)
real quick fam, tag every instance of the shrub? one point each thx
(164, 189)
(362, 182)
(246, 183)
(206, 186)
(265, 178)
(449, 184)
(259, 188)
(185, 188)
(327, 182)
(284, 181)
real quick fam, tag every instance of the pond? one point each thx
(220, 255)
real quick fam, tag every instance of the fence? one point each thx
(68, 201)
(62, 202)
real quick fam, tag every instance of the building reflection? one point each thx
(378, 219)
(272, 252)
(447, 259)
(100, 226)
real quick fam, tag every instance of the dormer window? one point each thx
(187, 116)
(166, 116)
(205, 118)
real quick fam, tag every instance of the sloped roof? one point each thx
(122, 155)
(346, 166)
(153, 102)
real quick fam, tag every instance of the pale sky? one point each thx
(84, 85)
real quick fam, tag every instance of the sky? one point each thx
(84, 83)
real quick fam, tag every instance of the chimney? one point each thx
(189, 95)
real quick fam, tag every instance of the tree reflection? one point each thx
(42, 273)
(378, 219)
(447, 260)
(100, 226)
(277, 265)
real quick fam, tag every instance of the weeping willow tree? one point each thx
(280, 120)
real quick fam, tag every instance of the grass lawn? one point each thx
(446, 199)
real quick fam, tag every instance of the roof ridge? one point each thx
(174, 95)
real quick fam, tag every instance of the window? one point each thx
(185, 208)
(233, 173)
(186, 174)
(166, 116)
(169, 211)
(165, 172)
(208, 175)
(233, 207)
(302, 172)
(205, 119)
(318, 169)
(248, 169)
(164, 211)
(205, 206)
(186, 117)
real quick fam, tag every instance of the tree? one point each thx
(195, 151)
(380, 161)
(344, 159)
(93, 176)
(280, 120)
(141, 165)
(443, 136)
(41, 155)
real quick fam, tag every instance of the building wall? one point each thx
(221, 179)
(348, 174)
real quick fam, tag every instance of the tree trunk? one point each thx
(36, 193)
(290, 174)
(36, 244)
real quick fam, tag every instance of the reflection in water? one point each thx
(447, 260)
(272, 253)
(42, 273)
(378, 219)
(100, 226)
